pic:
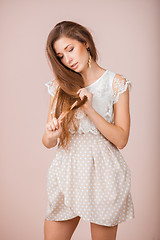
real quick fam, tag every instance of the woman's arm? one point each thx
(48, 139)
(117, 133)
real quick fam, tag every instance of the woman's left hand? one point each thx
(88, 104)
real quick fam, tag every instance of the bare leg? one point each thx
(99, 232)
(60, 230)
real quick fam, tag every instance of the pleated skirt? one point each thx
(90, 179)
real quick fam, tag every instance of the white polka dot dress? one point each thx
(91, 179)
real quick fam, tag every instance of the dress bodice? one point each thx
(106, 91)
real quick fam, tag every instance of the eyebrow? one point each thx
(64, 48)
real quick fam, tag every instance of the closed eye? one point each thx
(69, 51)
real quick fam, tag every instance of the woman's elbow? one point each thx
(122, 146)
(123, 143)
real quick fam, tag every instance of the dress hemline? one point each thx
(96, 222)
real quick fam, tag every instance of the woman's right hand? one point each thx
(53, 128)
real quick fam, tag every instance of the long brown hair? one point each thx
(68, 80)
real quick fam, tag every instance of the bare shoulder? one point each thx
(119, 76)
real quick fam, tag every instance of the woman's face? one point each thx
(71, 52)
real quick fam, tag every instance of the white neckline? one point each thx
(97, 79)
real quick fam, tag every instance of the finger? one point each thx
(56, 124)
(78, 91)
(81, 95)
(55, 121)
(52, 125)
(49, 127)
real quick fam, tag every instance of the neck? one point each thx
(90, 75)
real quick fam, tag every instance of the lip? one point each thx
(75, 66)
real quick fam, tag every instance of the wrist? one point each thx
(89, 109)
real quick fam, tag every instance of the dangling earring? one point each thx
(89, 61)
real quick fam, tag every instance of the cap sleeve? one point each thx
(119, 86)
(51, 87)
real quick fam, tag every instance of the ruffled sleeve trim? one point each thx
(51, 87)
(120, 86)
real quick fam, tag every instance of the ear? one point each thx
(86, 45)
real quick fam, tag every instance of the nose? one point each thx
(68, 59)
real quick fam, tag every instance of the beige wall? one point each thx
(126, 34)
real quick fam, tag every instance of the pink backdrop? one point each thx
(126, 35)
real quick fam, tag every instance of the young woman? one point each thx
(88, 121)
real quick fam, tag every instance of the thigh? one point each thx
(100, 232)
(60, 230)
